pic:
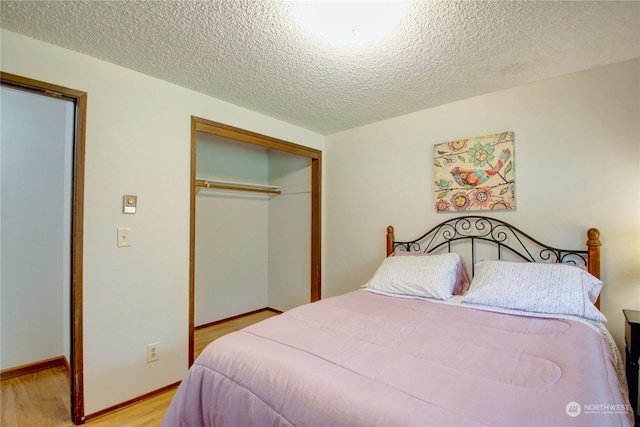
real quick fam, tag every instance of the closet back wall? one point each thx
(289, 231)
(231, 259)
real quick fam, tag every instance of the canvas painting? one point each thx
(475, 174)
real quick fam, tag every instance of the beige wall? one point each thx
(138, 142)
(577, 165)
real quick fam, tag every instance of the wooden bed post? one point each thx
(593, 257)
(390, 239)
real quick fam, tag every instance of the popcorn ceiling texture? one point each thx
(253, 53)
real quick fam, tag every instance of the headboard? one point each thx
(507, 239)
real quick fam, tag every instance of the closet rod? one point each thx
(256, 188)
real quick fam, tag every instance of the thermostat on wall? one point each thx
(129, 204)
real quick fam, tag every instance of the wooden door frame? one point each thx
(220, 129)
(77, 222)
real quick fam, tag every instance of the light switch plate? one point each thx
(129, 204)
(124, 237)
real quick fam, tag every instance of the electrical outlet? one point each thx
(153, 352)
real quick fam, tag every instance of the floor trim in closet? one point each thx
(217, 322)
(30, 368)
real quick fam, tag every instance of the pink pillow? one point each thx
(462, 280)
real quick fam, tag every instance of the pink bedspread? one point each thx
(363, 359)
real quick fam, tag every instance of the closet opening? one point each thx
(254, 224)
(68, 233)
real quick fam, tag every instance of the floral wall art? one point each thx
(475, 174)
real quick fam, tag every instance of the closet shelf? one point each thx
(239, 186)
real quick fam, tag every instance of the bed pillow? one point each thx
(416, 276)
(462, 280)
(535, 287)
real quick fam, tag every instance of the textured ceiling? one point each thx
(255, 55)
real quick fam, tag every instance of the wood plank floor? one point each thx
(37, 399)
(41, 399)
(204, 336)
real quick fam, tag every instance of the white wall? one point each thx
(223, 158)
(232, 231)
(138, 142)
(36, 199)
(231, 262)
(289, 231)
(577, 163)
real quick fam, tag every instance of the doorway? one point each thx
(203, 126)
(72, 252)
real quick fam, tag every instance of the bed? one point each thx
(521, 343)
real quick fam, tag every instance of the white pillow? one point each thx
(462, 279)
(416, 276)
(535, 287)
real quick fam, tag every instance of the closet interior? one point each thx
(253, 221)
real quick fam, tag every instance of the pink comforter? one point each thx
(363, 359)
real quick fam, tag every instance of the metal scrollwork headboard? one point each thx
(505, 237)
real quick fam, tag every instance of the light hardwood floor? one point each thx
(38, 399)
(41, 399)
